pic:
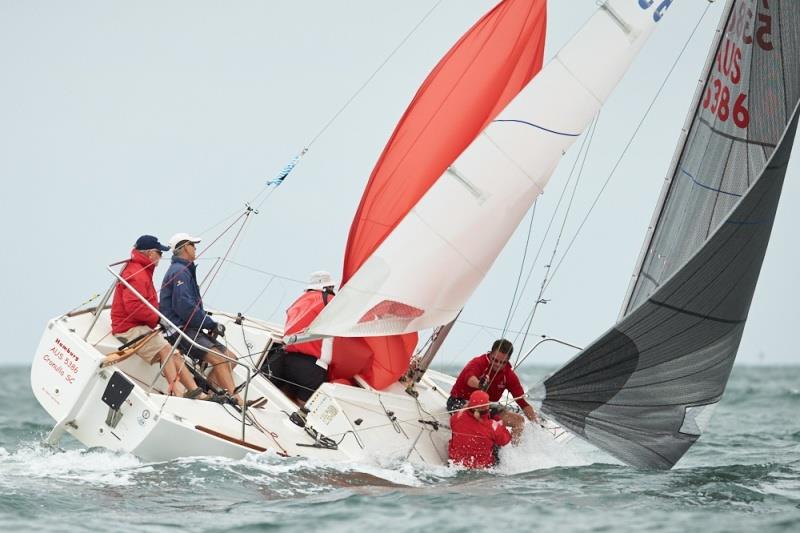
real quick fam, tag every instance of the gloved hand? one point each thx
(483, 383)
(218, 330)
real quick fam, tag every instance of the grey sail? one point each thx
(645, 389)
(752, 85)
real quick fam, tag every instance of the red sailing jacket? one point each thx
(299, 316)
(127, 310)
(473, 441)
(506, 379)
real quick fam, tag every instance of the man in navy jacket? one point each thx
(182, 304)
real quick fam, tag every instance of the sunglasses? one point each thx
(498, 360)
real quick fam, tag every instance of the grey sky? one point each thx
(123, 118)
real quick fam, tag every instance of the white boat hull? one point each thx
(357, 422)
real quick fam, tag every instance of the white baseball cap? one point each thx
(319, 280)
(178, 238)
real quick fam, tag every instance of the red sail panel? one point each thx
(472, 83)
(381, 361)
(477, 78)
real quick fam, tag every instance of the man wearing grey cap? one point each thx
(182, 304)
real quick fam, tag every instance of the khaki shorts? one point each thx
(148, 351)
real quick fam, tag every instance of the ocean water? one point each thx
(743, 475)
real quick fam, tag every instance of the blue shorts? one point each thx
(200, 338)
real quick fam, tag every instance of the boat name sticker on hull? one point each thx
(62, 360)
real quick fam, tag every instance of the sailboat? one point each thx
(474, 150)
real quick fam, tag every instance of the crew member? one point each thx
(305, 365)
(492, 373)
(476, 438)
(182, 304)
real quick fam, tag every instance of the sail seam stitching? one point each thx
(692, 313)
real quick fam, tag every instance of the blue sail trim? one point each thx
(703, 185)
(538, 127)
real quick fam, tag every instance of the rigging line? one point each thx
(264, 430)
(424, 347)
(546, 339)
(452, 356)
(375, 73)
(227, 252)
(549, 227)
(221, 222)
(249, 355)
(630, 141)
(240, 237)
(247, 267)
(227, 218)
(540, 297)
(475, 324)
(260, 294)
(268, 189)
(278, 305)
(410, 421)
(266, 197)
(521, 269)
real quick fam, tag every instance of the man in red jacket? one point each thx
(492, 373)
(476, 438)
(132, 319)
(305, 365)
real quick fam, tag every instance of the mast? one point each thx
(694, 109)
(418, 368)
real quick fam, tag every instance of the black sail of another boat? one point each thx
(645, 389)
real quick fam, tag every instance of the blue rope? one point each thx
(537, 127)
(277, 180)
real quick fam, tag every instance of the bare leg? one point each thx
(221, 375)
(516, 423)
(170, 372)
(185, 376)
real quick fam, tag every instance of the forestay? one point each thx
(645, 389)
(416, 268)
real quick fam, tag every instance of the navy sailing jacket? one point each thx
(180, 296)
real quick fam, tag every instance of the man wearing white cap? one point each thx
(305, 365)
(182, 304)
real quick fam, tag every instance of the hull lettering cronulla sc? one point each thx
(62, 360)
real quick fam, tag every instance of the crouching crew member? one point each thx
(476, 438)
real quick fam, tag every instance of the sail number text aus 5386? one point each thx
(723, 96)
(718, 101)
(741, 24)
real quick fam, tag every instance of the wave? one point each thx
(90, 466)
